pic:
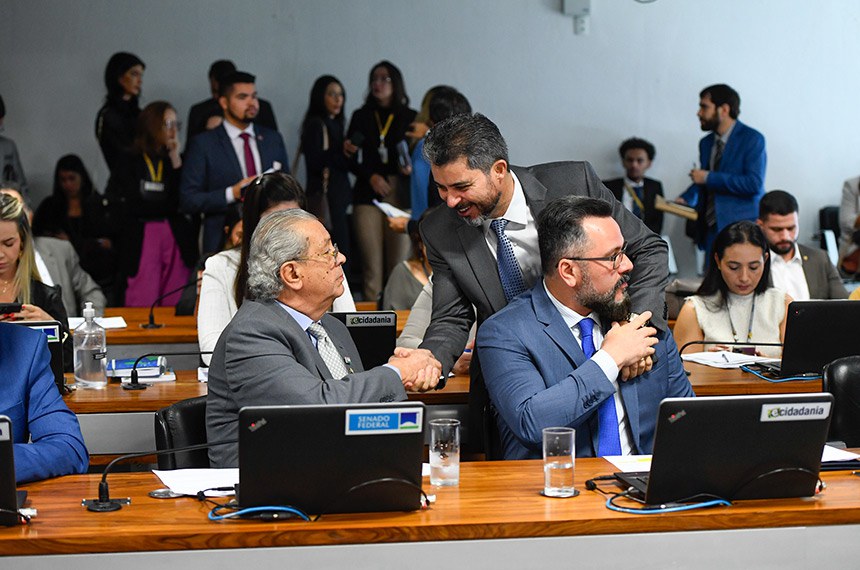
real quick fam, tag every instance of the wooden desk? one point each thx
(483, 522)
(115, 421)
(708, 381)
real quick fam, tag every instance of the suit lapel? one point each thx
(534, 191)
(263, 148)
(293, 330)
(554, 325)
(229, 152)
(483, 264)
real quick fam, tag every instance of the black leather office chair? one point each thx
(179, 425)
(842, 379)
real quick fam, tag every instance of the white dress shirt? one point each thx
(602, 359)
(234, 133)
(522, 231)
(789, 275)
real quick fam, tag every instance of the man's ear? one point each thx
(569, 272)
(499, 170)
(222, 102)
(291, 277)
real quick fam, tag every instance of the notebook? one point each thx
(10, 499)
(309, 457)
(735, 447)
(54, 334)
(374, 334)
(816, 333)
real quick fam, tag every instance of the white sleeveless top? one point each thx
(716, 322)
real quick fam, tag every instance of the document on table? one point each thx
(192, 481)
(726, 359)
(104, 322)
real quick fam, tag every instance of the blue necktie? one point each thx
(509, 270)
(608, 442)
(636, 211)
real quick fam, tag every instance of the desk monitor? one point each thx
(737, 447)
(54, 334)
(374, 334)
(309, 457)
(10, 499)
(817, 333)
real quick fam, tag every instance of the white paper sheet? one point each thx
(725, 359)
(104, 322)
(191, 481)
(390, 210)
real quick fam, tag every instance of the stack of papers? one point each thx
(725, 359)
(104, 322)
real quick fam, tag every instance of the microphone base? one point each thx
(108, 506)
(150, 326)
(133, 386)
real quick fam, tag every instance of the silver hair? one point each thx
(275, 242)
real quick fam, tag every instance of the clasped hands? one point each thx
(631, 345)
(419, 370)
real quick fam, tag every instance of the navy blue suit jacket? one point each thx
(29, 397)
(538, 376)
(738, 184)
(210, 165)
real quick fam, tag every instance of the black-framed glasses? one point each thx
(615, 258)
(330, 255)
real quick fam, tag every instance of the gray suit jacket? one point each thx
(465, 272)
(264, 357)
(65, 269)
(822, 278)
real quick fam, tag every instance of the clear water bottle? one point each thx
(90, 352)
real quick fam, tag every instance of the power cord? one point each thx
(22, 518)
(778, 380)
(425, 505)
(673, 507)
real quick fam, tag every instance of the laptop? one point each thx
(735, 447)
(309, 457)
(54, 334)
(816, 333)
(374, 334)
(10, 499)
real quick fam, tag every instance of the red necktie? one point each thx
(250, 167)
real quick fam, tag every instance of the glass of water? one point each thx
(444, 452)
(558, 460)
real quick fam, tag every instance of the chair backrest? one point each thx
(179, 425)
(842, 379)
(828, 219)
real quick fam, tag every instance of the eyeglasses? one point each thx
(331, 255)
(615, 258)
(171, 124)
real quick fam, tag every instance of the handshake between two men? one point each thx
(419, 369)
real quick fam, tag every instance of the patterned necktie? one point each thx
(710, 207)
(636, 210)
(608, 440)
(509, 270)
(250, 166)
(332, 358)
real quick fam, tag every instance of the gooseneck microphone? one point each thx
(152, 324)
(726, 343)
(135, 383)
(104, 504)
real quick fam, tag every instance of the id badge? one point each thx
(383, 154)
(151, 190)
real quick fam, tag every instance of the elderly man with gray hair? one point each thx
(282, 348)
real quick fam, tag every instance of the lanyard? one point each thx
(749, 328)
(154, 175)
(383, 130)
(635, 198)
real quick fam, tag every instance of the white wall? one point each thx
(555, 95)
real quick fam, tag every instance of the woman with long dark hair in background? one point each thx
(380, 128)
(116, 120)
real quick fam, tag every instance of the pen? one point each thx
(724, 356)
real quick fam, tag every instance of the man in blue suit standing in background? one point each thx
(547, 360)
(729, 183)
(220, 163)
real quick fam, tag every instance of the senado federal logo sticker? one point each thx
(796, 411)
(372, 421)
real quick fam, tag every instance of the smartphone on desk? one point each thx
(748, 350)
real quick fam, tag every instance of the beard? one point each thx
(710, 125)
(604, 304)
(485, 209)
(783, 247)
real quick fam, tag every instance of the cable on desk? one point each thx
(668, 508)
(397, 480)
(779, 380)
(22, 518)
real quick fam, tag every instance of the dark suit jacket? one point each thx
(264, 357)
(465, 272)
(652, 217)
(65, 270)
(738, 184)
(200, 113)
(538, 376)
(210, 165)
(821, 276)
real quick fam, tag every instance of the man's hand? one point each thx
(380, 185)
(419, 370)
(630, 343)
(637, 369)
(698, 176)
(398, 224)
(461, 367)
(237, 187)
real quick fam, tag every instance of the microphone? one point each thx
(135, 383)
(727, 343)
(104, 504)
(152, 324)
